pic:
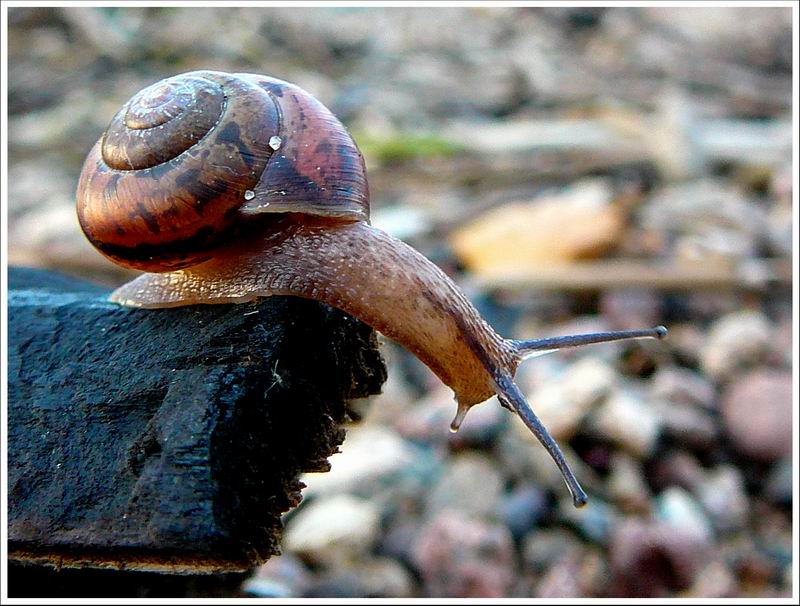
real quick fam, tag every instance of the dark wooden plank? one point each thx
(169, 439)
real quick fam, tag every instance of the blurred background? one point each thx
(573, 169)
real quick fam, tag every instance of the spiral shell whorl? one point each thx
(163, 185)
(162, 121)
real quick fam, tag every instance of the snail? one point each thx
(228, 187)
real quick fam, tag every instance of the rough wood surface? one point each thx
(169, 440)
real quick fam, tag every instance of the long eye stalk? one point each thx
(554, 343)
(511, 397)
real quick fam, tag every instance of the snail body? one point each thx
(229, 187)
(339, 264)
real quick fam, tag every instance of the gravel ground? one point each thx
(573, 169)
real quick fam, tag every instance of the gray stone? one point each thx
(543, 546)
(686, 424)
(706, 219)
(675, 384)
(283, 576)
(470, 483)
(724, 497)
(593, 522)
(522, 509)
(780, 482)
(715, 580)
(384, 577)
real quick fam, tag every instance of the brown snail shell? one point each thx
(185, 157)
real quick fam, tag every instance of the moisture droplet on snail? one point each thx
(229, 187)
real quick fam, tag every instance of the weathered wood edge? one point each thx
(269, 383)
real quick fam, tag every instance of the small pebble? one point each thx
(563, 402)
(543, 546)
(399, 537)
(522, 509)
(470, 482)
(757, 414)
(675, 384)
(332, 529)
(723, 495)
(336, 586)
(626, 485)
(677, 508)
(427, 421)
(652, 559)
(630, 309)
(380, 578)
(283, 576)
(677, 468)
(629, 421)
(593, 522)
(780, 482)
(715, 580)
(735, 342)
(460, 556)
(562, 579)
(372, 459)
(687, 424)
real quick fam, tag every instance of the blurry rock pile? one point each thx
(687, 462)
(574, 170)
